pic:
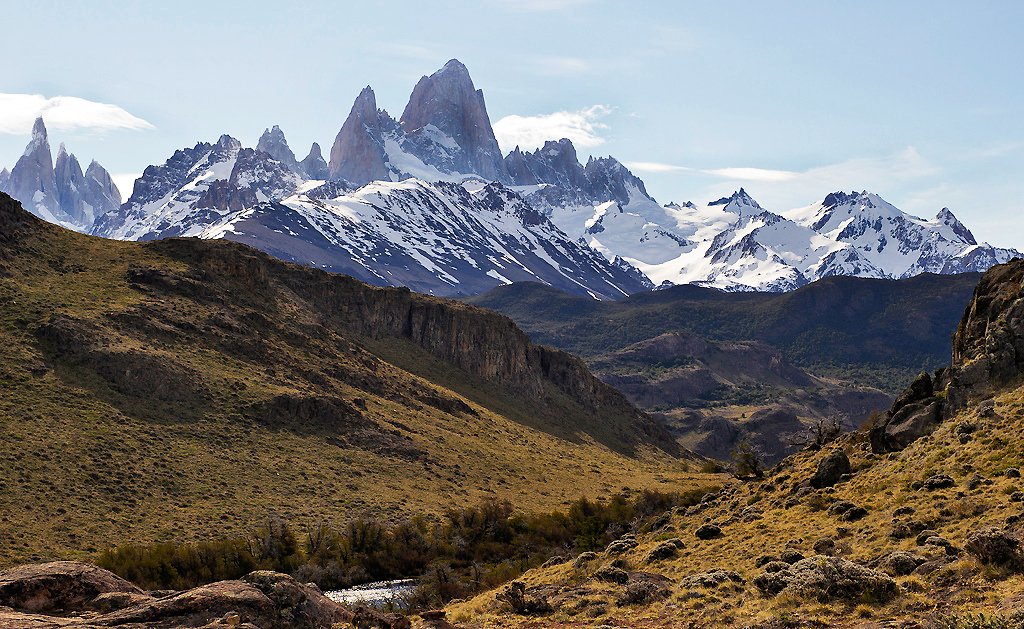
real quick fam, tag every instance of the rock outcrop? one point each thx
(71, 590)
(988, 347)
(988, 353)
(58, 585)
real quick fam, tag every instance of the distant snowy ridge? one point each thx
(428, 201)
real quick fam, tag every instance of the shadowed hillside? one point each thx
(870, 332)
(182, 389)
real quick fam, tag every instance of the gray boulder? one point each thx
(830, 469)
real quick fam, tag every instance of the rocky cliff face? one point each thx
(358, 153)
(988, 355)
(444, 107)
(480, 342)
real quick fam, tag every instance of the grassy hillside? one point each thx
(769, 518)
(918, 522)
(876, 333)
(182, 390)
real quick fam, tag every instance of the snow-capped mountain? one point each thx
(59, 192)
(435, 237)
(428, 201)
(735, 244)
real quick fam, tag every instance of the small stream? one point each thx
(376, 594)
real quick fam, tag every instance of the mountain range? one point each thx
(428, 201)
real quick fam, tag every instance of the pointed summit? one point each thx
(273, 143)
(314, 164)
(5, 176)
(739, 202)
(100, 191)
(947, 218)
(32, 181)
(446, 108)
(358, 152)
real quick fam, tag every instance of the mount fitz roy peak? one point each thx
(59, 192)
(428, 201)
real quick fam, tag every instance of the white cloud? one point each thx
(530, 132)
(741, 174)
(63, 113)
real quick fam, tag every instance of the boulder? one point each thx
(831, 469)
(903, 425)
(58, 585)
(995, 547)
(708, 531)
(900, 563)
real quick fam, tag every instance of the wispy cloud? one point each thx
(64, 113)
(539, 6)
(740, 174)
(782, 189)
(552, 65)
(583, 127)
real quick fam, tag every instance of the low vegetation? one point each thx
(466, 551)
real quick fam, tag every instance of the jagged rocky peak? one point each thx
(71, 188)
(609, 178)
(555, 163)
(314, 164)
(5, 176)
(32, 181)
(228, 144)
(101, 190)
(273, 143)
(446, 107)
(737, 201)
(358, 154)
(947, 218)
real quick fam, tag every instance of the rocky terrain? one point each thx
(186, 390)
(916, 521)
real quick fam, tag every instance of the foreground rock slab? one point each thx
(74, 594)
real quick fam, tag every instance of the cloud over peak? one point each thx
(583, 127)
(63, 113)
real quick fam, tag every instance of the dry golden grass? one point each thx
(881, 484)
(85, 465)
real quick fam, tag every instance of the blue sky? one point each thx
(921, 102)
